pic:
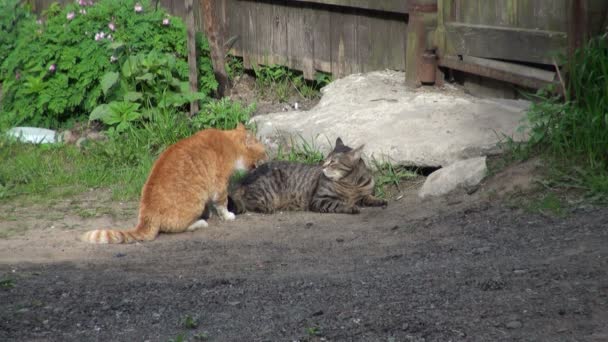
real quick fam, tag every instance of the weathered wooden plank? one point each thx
(321, 40)
(343, 45)
(516, 69)
(531, 14)
(263, 31)
(279, 42)
(299, 37)
(515, 44)
(397, 6)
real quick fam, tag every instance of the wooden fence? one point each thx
(349, 36)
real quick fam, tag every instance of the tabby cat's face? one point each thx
(341, 161)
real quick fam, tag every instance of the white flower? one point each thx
(138, 7)
(166, 21)
(70, 15)
(113, 59)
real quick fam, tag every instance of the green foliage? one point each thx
(63, 68)
(190, 322)
(178, 338)
(280, 82)
(234, 66)
(14, 18)
(573, 132)
(300, 150)
(322, 79)
(7, 283)
(547, 204)
(147, 81)
(387, 175)
(122, 163)
(223, 114)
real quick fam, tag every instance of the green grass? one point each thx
(122, 164)
(190, 322)
(571, 132)
(7, 283)
(387, 175)
(300, 150)
(280, 83)
(547, 204)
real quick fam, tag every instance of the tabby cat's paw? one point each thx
(354, 210)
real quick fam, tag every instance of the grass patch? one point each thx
(280, 83)
(547, 204)
(122, 164)
(300, 150)
(190, 322)
(570, 132)
(387, 176)
(7, 283)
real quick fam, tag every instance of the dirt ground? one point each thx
(476, 267)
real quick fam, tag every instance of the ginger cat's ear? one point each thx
(240, 126)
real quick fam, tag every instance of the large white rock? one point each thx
(420, 127)
(461, 174)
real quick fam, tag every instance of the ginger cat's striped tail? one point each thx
(102, 236)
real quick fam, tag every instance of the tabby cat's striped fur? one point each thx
(340, 185)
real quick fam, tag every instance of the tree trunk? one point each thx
(193, 75)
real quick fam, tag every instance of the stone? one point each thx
(424, 127)
(514, 325)
(461, 174)
(67, 137)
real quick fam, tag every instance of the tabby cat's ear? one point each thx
(339, 142)
(356, 153)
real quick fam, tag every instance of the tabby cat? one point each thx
(340, 185)
(186, 177)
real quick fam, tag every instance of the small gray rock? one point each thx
(463, 173)
(514, 325)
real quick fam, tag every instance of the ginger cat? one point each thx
(186, 177)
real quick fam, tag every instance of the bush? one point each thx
(76, 60)
(574, 131)
(14, 17)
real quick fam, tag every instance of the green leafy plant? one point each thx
(178, 338)
(7, 283)
(149, 81)
(202, 336)
(67, 64)
(572, 130)
(280, 82)
(190, 322)
(234, 66)
(387, 175)
(300, 150)
(322, 79)
(223, 114)
(15, 16)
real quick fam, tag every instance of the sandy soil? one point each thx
(462, 268)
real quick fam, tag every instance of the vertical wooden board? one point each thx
(343, 46)
(321, 37)
(278, 34)
(308, 54)
(296, 37)
(263, 29)
(233, 27)
(248, 30)
(375, 40)
(396, 59)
